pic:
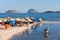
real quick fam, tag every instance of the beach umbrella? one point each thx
(5, 20)
(1, 19)
(23, 20)
(32, 18)
(28, 19)
(12, 21)
(40, 19)
(17, 19)
(9, 18)
(35, 19)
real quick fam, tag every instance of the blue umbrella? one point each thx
(12, 21)
(35, 19)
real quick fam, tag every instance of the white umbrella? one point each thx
(28, 19)
(40, 19)
(23, 20)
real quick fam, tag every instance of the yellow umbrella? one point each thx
(4, 20)
(17, 19)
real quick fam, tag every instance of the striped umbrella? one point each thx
(28, 19)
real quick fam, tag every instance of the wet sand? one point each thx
(49, 22)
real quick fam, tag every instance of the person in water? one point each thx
(46, 30)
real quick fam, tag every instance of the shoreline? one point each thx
(49, 22)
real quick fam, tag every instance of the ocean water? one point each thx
(37, 33)
(45, 16)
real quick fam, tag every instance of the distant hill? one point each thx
(32, 11)
(49, 12)
(12, 11)
(57, 11)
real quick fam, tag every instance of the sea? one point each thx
(45, 16)
(37, 33)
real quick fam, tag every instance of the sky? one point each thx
(25, 5)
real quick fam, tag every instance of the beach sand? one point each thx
(7, 34)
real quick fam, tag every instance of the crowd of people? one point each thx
(18, 21)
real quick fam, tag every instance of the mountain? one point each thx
(32, 11)
(49, 12)
(12, 11)
(57, 11)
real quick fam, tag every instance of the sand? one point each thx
(7, 34)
